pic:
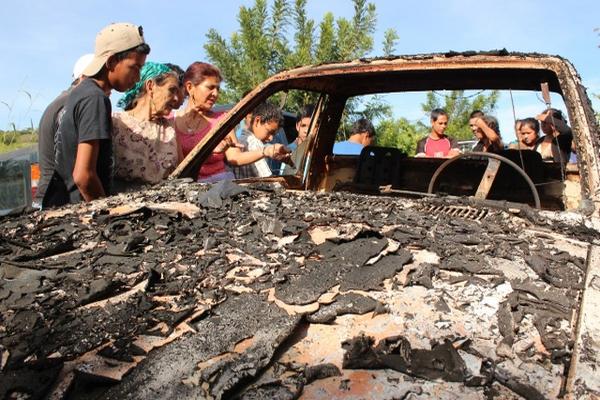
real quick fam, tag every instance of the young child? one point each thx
(264, 124)
(527, 134)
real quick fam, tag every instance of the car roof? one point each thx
(452, 70)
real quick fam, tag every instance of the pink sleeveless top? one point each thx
(215, 163)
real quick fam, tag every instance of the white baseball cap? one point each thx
(81, 64)
(111, 40)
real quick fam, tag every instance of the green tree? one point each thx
(281, 36)
(401, 134)
(374, 108)
(404, 135)
(459, 107)
(390, 38)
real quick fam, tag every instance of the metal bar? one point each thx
(488, 179)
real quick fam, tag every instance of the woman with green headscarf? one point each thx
(144, 141)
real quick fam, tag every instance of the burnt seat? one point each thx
(378, 166)
(530, 161)
(546, 176)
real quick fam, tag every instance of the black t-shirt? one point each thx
(87, 117)
(46, 132)
(493, 148)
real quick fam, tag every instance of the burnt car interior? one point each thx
(511, 175)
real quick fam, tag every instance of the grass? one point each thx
(13, 138)
(7, 148)
(11, 141)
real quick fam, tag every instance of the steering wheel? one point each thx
(494, 161)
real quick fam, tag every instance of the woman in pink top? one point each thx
(202, 82)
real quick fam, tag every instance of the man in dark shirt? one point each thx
(49, 125)
(83, 149)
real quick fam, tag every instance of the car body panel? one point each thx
(286, 288)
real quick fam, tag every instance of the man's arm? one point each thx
(84, 173)
(454, 148)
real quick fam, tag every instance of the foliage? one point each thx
(401, 134)
(390, 37)
(16, 138)
(374, 108)
(459, 107)
(281, 36)
(404, 135)
(18, 135)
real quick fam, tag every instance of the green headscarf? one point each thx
(150, 70)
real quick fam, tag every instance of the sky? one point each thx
(40, 40)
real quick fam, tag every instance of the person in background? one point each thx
(527, 135)
(515, 143)
(265, 123)
(362, 134)
(299, 145)
(302, 123)
(437, 143)
(555, 145)
(48, 126)
(202, 82)
(83, 159)
(144, 140)
(487, 130)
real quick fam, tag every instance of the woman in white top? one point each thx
(144, 141)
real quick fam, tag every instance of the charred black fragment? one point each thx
(31, 382)
(62, 246)
(220, 191)
(441, 362)
(319, 276)
(99, 289)
(351, 303)
(558, 270)
(506, 323)
(321, 371)
(422, 276)
(522, 389)
(237, 318)
(371, 277)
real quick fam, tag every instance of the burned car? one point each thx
(373, 276)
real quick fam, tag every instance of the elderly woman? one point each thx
(202, 82)
(144, 140)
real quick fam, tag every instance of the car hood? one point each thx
(187, 291)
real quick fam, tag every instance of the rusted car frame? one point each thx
(494, 70)
(474, 70)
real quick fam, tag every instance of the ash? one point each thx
(194, 291)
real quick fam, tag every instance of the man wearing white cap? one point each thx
(49, 125)
(83, 148)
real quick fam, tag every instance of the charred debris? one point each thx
(190, 291)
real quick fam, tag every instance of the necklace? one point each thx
(191, 123)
